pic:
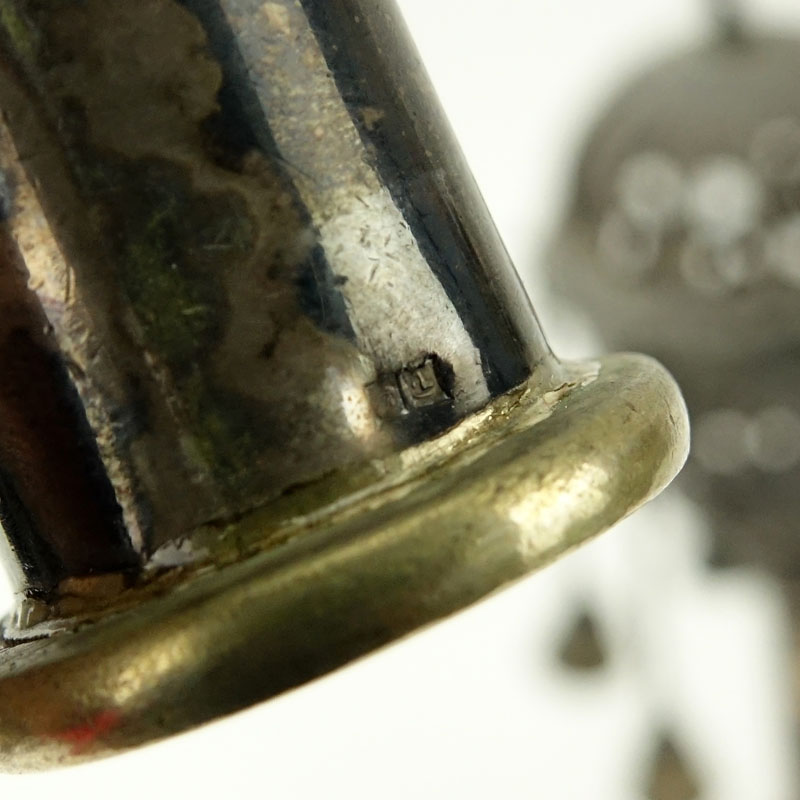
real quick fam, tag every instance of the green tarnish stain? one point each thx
(23, 37)
(176, 313)
(222, 434)
(174, 244)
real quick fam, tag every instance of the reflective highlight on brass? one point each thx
(438, 538)
(301, 397)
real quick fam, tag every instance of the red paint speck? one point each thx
(81, 737)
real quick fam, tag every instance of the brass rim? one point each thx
(534, 484)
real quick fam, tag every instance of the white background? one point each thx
(478, 707)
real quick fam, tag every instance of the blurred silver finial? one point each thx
(728, 18)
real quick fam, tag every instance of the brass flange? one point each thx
(531, 478)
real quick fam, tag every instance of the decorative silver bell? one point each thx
(684, 240)
(273, 395)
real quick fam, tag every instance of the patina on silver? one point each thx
(274, 394)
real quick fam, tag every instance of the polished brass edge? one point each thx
(241, 634)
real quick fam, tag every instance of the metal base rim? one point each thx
(534, 489)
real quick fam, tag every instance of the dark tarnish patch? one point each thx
(6, 196)
(320, 298)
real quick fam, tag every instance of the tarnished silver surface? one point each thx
(263, 260)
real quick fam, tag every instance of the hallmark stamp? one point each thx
(419, 385)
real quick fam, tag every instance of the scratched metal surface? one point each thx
(262, 269)
(524, 728)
